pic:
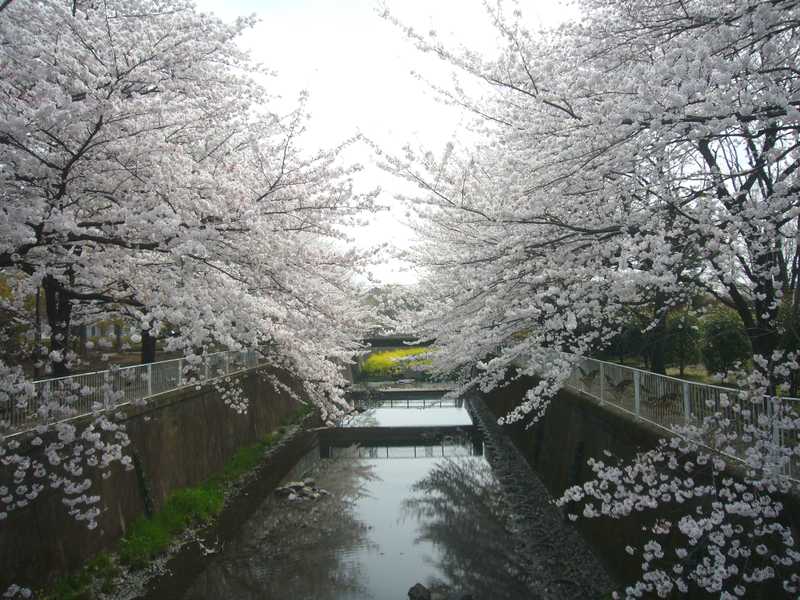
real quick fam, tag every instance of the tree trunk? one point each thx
(760, 314)
(658, 363)
(83, 337)
(764, 341)
(117, 337)
(59, 311)
(658, 336)
(38, 354)
(148, 347)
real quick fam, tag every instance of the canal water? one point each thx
(404, 495)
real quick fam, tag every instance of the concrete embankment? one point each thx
(179, 439)
(557, 447)
(576, 428)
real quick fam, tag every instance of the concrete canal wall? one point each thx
(576, 428)
(573, 430)
(179, 439)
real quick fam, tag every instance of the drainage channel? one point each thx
(412, 493)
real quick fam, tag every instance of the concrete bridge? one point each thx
(409, 442)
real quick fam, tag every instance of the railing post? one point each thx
(777, 436)
(180, 372)
(149, 379)
(687, 413)
(107, 398)
(227, 363)
(602, 382)
(50, 397)
(636, 393)
(774, 418)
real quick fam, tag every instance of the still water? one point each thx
(410, 499)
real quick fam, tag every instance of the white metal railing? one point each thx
(671, 403)
(62, 398)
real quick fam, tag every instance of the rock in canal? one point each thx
(419, 592)
(300, 490)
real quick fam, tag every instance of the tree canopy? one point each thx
(639, 156)
(644, 154)
(144, 173)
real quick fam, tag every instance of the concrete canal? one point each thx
(413, 490)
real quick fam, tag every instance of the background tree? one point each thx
(683, 331)
(628, 342)
(725, 342)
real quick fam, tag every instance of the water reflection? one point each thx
(444, 450)
(297, 549)
(460, 509)
(401, 442)
(407, 504)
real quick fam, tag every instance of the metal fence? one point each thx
(671, 403)
(61, 398)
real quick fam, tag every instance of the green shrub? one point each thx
(725, 340)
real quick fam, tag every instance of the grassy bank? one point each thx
(185, 508)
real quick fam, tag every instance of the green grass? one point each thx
(696, 373)
(388, 362)
(101, 569)
(699, 374)
(297, 416)
(692, 373)
(146, 538)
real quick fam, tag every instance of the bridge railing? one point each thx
(74, 396)
(671, 403)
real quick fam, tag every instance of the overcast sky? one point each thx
(357, 70)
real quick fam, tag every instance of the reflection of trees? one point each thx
(460, 510)
(296, 549)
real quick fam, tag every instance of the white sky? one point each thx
(357, 68)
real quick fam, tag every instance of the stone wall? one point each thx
(178, 440)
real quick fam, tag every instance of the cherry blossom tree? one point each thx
(619, 149)
(144, 175)
(639, 156)
(140, 158)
